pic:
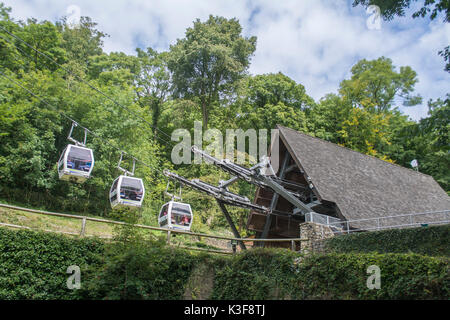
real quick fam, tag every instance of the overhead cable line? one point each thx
(87, 83)
(31, 58)
(74, 121)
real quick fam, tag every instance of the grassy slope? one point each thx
(58, 224)
(99, 229)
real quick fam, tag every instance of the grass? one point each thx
(99, 229)
(52, 223)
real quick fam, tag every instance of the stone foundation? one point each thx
(313, 235)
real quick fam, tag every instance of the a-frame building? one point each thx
(341, 183)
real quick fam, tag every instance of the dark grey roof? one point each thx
(362, 186)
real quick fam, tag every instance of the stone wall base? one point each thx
(313, 235)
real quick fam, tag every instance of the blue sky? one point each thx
(315, 42)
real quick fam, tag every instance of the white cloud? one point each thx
(315, 42)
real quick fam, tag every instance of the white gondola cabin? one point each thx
(127, 192)
(76, 163)
(176, 215)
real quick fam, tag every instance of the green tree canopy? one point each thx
(209, 60)
(375, 84)
(270, 99)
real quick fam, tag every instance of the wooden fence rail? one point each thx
(84, 219)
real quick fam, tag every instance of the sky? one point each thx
(315, 42)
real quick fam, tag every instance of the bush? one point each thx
(433, 241)
(136, 268)
(255, 274)
(33, 265)
(146, 271)
(280, 274)
(344, 276)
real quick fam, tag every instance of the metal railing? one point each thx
(322, 219)
(169, 232)
(392, 222)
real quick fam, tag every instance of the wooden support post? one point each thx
(83, 227)
(231, 223)
(274, 200)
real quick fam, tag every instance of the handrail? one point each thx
(169, 231)
(345, 225)
(390, 217)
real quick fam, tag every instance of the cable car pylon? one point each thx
(258, 176)
(222, 196)
(261, 175)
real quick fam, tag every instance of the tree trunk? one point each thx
(205, 114)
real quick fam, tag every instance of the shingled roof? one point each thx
(362, 186)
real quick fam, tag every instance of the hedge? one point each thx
(33, 266)
(148, 270)
(431, 240)
(280, 274)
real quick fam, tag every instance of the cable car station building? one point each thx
(339, 184)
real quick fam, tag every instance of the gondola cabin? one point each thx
(127, 192)
(176, 215)
(76, 163)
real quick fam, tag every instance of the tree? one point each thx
(152, 82)
(446, 54)
(146, 73)
(209, 60)
(116, 68)
(374, 85)
(270, 99)
(4, 12)
(363, 116)
(81, 41)
(335, 119)
(45, 37)
(428, 141)
(11, 58)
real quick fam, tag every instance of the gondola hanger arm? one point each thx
(72, 139)
(125, 171)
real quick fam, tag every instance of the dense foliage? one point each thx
(431, 240)
(33, 266)
(202, 77)
(136, 267)
(274, 274)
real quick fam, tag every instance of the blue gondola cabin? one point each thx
(176, 215)
(127, 192)
(76, 163)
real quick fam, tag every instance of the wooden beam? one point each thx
(292, 167)
(231, 223)
(275, 196)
